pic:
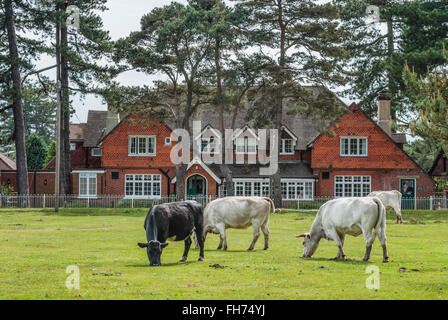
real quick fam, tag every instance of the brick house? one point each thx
(130, 156)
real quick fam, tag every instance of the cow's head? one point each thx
(309, 245)
(154, 250)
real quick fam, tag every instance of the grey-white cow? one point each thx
(390, 199)
(240, 213)
(352, 216)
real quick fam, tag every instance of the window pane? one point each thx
(362, 146)
(92, 186)
(133, 142)
(284, 190)
(265, 189)
(257, 189)
(353, 146)
(248, 189)
(151, 144)
(83, 186)
(141, 145)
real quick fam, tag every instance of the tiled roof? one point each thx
(95, 127)
(77, 131)
(6, 163)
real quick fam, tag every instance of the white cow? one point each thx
(240, 213)
(352, 216)
(390, 199)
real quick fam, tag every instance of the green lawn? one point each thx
(36, 246)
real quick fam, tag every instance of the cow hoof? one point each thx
(201, 259)
(365, 259)
(250, 249)
(183, 259)
(219, 248)
(265, 248)
(386, 260)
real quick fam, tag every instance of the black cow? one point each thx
(174, 221)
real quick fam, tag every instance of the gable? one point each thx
(383, 152)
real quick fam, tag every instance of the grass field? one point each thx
(36, 246)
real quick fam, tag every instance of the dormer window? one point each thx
(246, 145)
(209, 145)
(287, 146)
(353, 146)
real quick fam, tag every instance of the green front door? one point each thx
(407, 189)
(196, 186)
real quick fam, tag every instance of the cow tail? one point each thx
(381, 216)
(271, 202)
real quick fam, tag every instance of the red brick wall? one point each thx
(41, 187)
(385, 162)
(115, 145)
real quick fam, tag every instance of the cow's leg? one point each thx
(200, 240)
(221, 240)
(337, 239)
(369, 237)
(222, 234)
(265, 230)
(398, 213)
(256, 230)
(383, 240)
(187, 248)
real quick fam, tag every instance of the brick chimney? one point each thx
(384, 113)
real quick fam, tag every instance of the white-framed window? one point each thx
(168, 141)
(72, 146)
(96, 152)
(287, 146)
(246, 145)
(297, 189)
(210, 145)
(252, 188)
(353, 146)
(352, 186)
(87, 184)
(142, 145)
(143, 186)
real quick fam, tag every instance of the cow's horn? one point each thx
(303, 235)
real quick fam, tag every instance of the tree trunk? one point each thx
(276, 178)
(64, 147)
(17, 105)
(180, 185)
(225, 169)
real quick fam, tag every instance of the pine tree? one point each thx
(416, 32)
(308, 43)
(174, 40)
(429, 95)
(36, 152)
